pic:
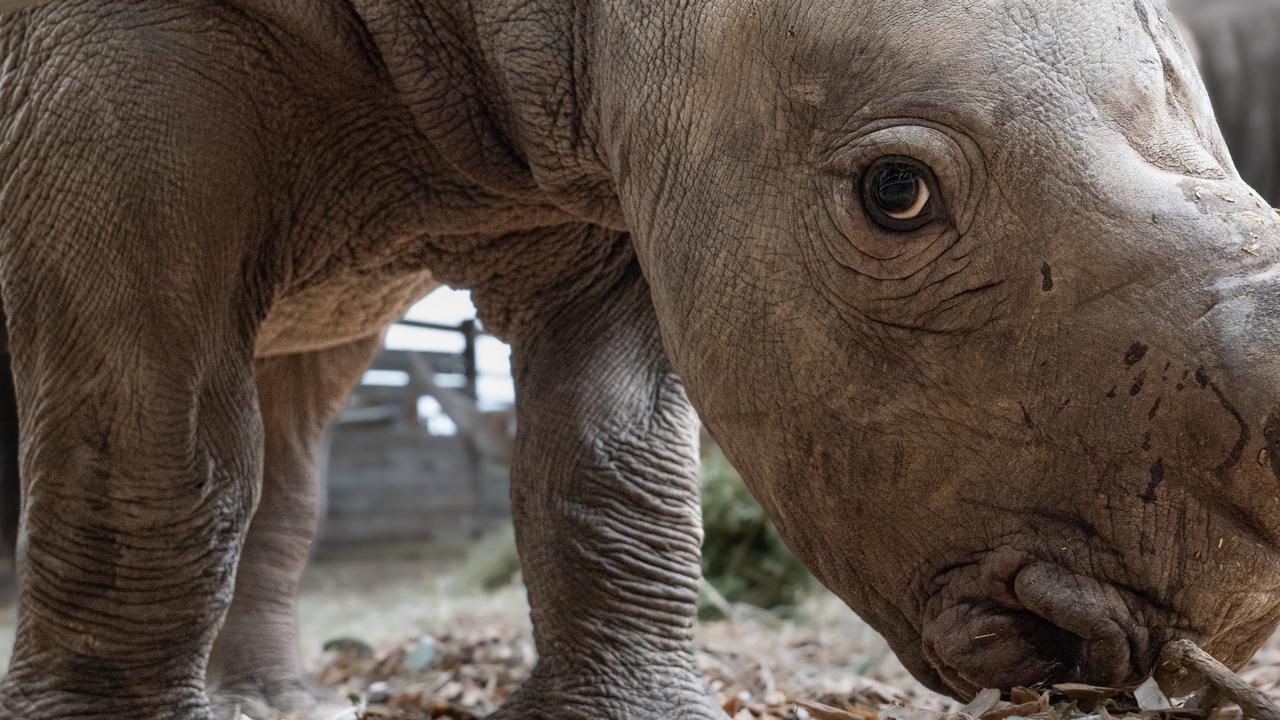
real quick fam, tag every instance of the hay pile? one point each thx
(743, 558)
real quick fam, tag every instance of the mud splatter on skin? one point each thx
(1157, 478)
(1223, 471)
(1136, 352)
(1137, 384)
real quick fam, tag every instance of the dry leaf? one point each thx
(1088, 696)
(983, 703)
(1150, 697)
(823, 712)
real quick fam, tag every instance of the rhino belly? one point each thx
(340, 309)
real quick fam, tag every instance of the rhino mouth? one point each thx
(1026, 623)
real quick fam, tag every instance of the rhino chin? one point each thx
(1041, 624)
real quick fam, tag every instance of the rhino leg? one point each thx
(607, 514)
(255, 664)
(140, 461)
(136, 268)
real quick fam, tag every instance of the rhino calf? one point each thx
(961, 288)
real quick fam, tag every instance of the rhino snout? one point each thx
(1033, 625)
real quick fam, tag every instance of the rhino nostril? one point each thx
(1032, 625)
(1085, 610)
(997, 648)
(1066, 650)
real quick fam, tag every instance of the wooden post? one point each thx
(469, 363)
(475, 462)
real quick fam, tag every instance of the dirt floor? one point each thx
(404, 633)
(406, 624)
(417, 641)
(460, 653)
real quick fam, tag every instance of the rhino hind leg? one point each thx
(255, 664)
(605, 496)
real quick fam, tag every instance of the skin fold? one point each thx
(1032, 436)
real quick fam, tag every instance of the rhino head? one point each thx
(973, 296)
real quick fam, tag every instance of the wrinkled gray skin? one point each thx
(254, 665)
(1031, 440)
(1237, 51)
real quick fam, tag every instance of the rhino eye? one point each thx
(898, 194)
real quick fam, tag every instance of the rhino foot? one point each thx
(291, 699)
(665, 694)
(25, 697)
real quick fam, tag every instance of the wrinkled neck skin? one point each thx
(503, 90)
(503, 93)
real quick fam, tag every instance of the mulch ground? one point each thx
(758, 667)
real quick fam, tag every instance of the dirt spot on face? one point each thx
(1136, 352)
(1137, 385)
(1157, 478)
(1202, 378)
(1223, 470)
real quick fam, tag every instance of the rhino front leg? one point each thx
(136, 267)
(140, 461)
(255, 665)
(607, 513)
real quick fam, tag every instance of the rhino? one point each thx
(971, 294)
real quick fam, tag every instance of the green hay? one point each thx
(743, 557)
